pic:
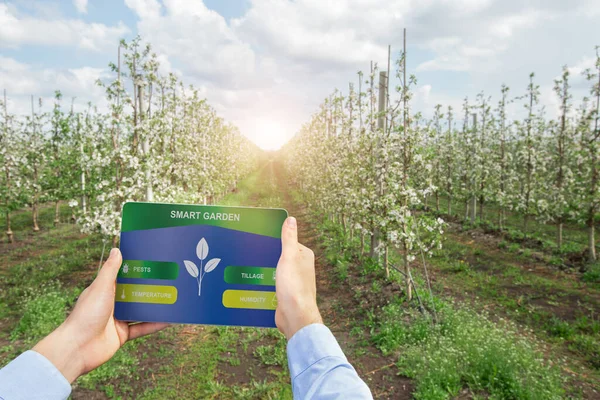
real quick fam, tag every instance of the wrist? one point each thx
(61, 349)
(308, 317)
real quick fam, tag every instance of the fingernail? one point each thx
(291, 221)
(113, 252)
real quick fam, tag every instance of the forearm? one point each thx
(319, 368)
(32, 376)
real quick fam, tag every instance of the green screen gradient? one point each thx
(260, 221)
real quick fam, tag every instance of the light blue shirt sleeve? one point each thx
(32, 377)
(319, 369)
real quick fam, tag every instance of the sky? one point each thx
(266, 65)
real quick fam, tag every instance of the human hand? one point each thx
(91, 335)
(296, 285)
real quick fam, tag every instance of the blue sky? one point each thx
(267, 64)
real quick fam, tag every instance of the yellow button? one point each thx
(252, 299)
(156, 294)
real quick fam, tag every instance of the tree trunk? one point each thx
(591, 238)
(373, 246)
(481, 203)
(83, 198)
(362, 244)
(34, 215)
(559, 235)
(386, 263)
(500, 210)
(56, 213)
(407, 271)
(9, 232)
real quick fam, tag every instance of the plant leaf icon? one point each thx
(191, 268)
(212, 264)
(202, 249)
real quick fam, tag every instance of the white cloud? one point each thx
(19, 30)
(582, 65)
(508, 26)
(22, 81)
(145, 9)
(198, 37)
(81, 6)
(11, 65)
(483, 50)
(306, 31)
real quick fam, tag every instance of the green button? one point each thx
(156, 294)
(250, 299)
(149, 269)
(250, 275)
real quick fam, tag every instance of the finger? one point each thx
(145, 328)
(289, 236)
(110, 269)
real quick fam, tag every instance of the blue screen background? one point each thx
(179, 243)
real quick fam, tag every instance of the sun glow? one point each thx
(269, 134)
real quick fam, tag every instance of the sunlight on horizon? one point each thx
(269, 134)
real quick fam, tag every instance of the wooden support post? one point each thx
(473, 183)
(380, 132)
(9, 231)
(145, 146)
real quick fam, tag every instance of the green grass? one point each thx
(575, 236)
(258, 190)
(201, 357)
(464, 349)
(201, 360)
(272, 355)
(22, 225)
(122, 366)
(490, 288)
(34, 301)
(588, 347)
(514, 247)
(44, 309)
(592, 274)
(468, 349)
(19, 278)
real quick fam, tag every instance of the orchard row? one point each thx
(157, 141)
(368, 161)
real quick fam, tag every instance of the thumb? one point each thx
(289, 236)
(110, 269)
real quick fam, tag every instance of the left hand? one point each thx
(91, 335)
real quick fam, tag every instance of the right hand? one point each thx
(296, 285)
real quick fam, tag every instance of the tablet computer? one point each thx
(197, 264)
